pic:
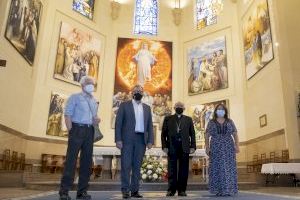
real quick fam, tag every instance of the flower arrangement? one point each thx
(153, 170)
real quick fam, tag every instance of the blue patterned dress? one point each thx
(222, 158)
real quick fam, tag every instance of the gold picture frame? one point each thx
(263, 121)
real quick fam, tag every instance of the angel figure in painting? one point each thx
(145, 60)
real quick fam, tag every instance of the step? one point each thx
(115, 186)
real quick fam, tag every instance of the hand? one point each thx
(207, 151)
(237, 149)
(96, 120)
(69, 128)
(166, 150)
(192, 150)
(119, 144)
(149, 145)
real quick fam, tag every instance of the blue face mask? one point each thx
(220, 113)
(89, 88)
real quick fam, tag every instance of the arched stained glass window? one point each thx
(207, 12)
(146, 17)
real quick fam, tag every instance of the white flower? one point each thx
(142, 171)
(155, 176)
(144, 176)
(149, 166)
(149, 172)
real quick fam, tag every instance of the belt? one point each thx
(139, 132)
(82, 125)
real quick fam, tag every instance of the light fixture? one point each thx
(115, 9)
(176, 12)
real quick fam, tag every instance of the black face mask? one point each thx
(179, 111)
(137, 96)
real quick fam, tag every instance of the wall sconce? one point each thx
(115, 9)
(177, 12)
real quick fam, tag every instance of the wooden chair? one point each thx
(22, 161)
(285, 156)
(6, 159)
(252, 166)
(255, 163)
(272, 157)
(263, 158)
(14, 161)
(60, 162)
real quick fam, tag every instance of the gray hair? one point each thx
(84, 79)
(179, 105)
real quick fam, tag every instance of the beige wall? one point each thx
(16, 80)
(227, 26)
(25, 90)
(271, 91)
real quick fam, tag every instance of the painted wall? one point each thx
(110, 30)
(25, 90)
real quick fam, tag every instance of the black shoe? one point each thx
(84, 196)
(125, 195)
(136, 195)
(170, 194)
(182, 194)
(64, 196)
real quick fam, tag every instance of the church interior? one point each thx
(239, 53)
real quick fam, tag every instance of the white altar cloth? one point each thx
(153, 152)
(280, 168)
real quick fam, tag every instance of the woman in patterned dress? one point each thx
(222, 144)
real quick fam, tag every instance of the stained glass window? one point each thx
(207, 12)
(145, 17)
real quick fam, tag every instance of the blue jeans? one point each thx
(81, 138)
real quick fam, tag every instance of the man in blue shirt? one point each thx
(134, 131)
(80, 115)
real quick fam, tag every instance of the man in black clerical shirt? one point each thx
(178, 141)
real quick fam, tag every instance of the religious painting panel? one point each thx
(257, 37)
(207, 12)
(207, 66)
(84, 7)
(56, 121)
(22, 27)
(78, 54)
(149, 64)
(201, 115)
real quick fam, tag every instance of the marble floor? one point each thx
(276, 193)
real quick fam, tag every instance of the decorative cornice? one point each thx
(60, 141)
(33, 138)
(264, 137)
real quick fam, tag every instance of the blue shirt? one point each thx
(139, 116)
(78, 109)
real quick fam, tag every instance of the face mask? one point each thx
(220, 113)
(179, 111)
(137, 96)
(89, 88)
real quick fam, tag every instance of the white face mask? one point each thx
(220, 113)
(89, 88)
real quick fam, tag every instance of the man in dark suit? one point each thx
(133, 132)
(178, 141)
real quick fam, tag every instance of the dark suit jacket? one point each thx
(125, 123)
(169, 131)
